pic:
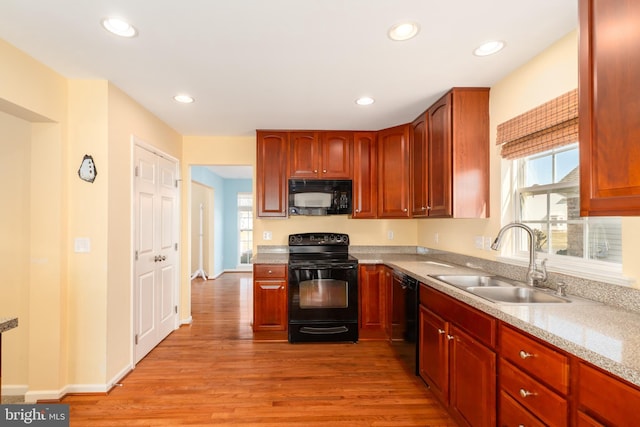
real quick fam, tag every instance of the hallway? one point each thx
(211, 373)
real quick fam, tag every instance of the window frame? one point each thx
(592, 269)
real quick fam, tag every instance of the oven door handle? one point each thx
(323, 267)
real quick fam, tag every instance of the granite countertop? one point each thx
(602, 334)
(8, 323)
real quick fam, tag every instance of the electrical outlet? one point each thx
(436, 238)
(82, 245)
(487, 243)
(390, 234)
(267, 235)
(479, 242)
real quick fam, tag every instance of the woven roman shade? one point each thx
(552, 124)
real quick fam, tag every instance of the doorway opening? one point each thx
(223, 196)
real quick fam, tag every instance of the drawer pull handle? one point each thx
(441, 331)
(525, 393)
(270, 287)
(525, 355)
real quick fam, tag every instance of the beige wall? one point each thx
(126, 118)
(15, 167)
(74, 309)
(201, 150)
(552, 73)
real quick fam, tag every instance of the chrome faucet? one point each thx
(534, 275)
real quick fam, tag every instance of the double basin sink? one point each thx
(501, 290)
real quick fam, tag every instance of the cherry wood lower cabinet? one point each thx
(457, 357)
(535, 377)
(603, 400)
(270, 312)
(372, 309)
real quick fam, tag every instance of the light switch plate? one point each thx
(82, 245)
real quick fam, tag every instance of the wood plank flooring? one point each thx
(211, 373)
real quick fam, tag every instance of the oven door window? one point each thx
(324, 293)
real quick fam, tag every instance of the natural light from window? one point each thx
(548, 201)
(245, 227)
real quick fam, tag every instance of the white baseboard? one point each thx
(187, 321)
(14, 390)
(38, 395)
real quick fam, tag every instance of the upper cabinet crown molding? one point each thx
(609, 123)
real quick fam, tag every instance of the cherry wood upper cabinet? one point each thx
(609, 93)
(458, 154)
(365, 175)
(419, 167)
(271, 173)
(321, 155)
(394, 185)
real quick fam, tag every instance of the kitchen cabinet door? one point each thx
(304, 155)
(609, 123)
(321, 155)
(336, 157)
(419, 167)
(271, 173)
(439, 158)
(270, 297)
(473, 381)
(372, 300)
(605, 398)
(458, 154)
(394, 185)
(433, 365)
(365, 175)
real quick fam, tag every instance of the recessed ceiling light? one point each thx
(184, 99)
(489, 48)
(403, 31)
(119, 27)
(365, 100)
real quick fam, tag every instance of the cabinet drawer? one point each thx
(606, 398)
(539, 360)
(547, 405)
(480, 325)
(512, 414)
(267, 271)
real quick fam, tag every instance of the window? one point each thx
(547, 199)
(245, 227)
(540, 146)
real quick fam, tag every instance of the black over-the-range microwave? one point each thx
(320, 197)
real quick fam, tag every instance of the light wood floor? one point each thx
(211, 373)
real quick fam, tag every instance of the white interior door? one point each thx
(156, 259)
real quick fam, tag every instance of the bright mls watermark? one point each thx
(40, 415)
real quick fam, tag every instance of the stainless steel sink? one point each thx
(468, 281)
(517, 295)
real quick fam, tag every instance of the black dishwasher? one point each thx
(404, 324)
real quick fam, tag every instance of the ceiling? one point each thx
(284, 64)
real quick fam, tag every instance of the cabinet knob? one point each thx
(450, 337)
(357, 210)
(428, 208)
(315, 171)
(405, 209)
(269, 272)
(526, 393)
(324, 171)
(441, 331)
(525, 355)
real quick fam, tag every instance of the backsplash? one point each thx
(614, 295)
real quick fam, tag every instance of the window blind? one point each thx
(550, 125)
